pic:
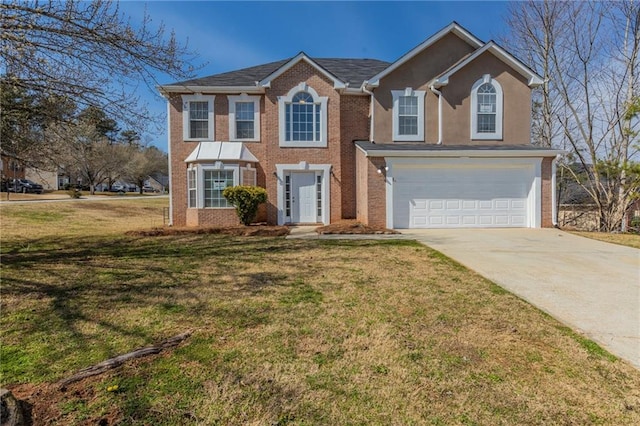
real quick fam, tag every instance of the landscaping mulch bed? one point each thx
(353, 227)
(235, 231)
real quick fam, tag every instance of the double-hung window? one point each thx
(197, 117)
(486, 109)
(244, 118)
(408, 115)
(192, 188)
(303, 118)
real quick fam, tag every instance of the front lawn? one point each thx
(626, 239)
(284, 332)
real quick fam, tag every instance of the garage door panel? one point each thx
(441, 197)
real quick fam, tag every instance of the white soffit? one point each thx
(221, 151)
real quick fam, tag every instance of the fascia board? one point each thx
(533, 78)
(453, 27)
(464, 153)
(211, 89)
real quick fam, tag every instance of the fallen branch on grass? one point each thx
(120, 359)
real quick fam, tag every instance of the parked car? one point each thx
(118, 187)
(25, 185)
(149, 188)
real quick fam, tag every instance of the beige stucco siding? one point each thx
(416, 73)
(457, 102)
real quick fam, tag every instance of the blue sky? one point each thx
(233, 35)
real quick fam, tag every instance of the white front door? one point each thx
(303, 198)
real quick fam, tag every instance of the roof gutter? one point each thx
(164, 90)
(439, 93)
(471, 153)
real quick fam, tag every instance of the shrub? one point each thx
(74, 193)
(246, 200)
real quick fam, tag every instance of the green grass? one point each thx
(286, 332)
(626, 239)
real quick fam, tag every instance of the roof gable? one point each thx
(454, 28)
(491, 47)
(337, 83)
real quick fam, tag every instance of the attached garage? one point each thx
(456, 186)
(461, 193)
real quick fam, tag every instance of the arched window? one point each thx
(303, 118)
(486, 109)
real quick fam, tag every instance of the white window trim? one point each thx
(185, 116)
(323, 169)
(497, 135)
(284, 100)
(189, 170)
(396, 94)
(256, 117)
(200, 169)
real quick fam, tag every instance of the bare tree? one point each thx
(588, 53)
(87, 51)
(143, 162)
(81, 150)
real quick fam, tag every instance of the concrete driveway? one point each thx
(593, 287)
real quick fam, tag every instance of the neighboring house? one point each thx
(12, 168)
(438, 138)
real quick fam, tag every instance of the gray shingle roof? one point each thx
(352, 71)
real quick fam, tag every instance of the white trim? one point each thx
(284, 100)
(169, 168)
(232, 117)
(419, 94)
(192, 168)
(504, 153)
(186, 99)
(497, 135)
(337, 83)
(218, 166)
(453, 27)
(534, 79)
(164, 90)
(324, 169)
(554, 210)
(533, 165)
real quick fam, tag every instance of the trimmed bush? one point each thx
(246, 200)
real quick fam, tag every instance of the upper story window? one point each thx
(408, 115)
(244, 118)
(197, 117)
(486, 109)
(303, 118)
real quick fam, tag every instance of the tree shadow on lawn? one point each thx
(78, 291)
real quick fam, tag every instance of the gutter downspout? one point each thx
(554, 210)
(439, 93)
(371, 111)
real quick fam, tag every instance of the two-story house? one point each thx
(438, 138)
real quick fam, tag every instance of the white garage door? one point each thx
(462, 196)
